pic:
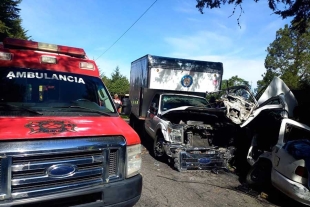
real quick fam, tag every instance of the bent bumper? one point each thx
(122, 193)
(290, 188)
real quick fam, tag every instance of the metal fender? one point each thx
(163, 129)
(265, 156)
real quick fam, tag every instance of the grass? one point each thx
(124, 116)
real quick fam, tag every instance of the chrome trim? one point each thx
(26, 148)
(58, 189)
(38, 165)
(47, 178)
(26, 163)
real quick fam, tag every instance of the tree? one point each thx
(116, 74)
(298, 9)
(10, 21)
(117, 83)
(105, 79)
(267, 78)
(234, 81)
(289, 58)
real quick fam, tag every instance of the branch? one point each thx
(241, 11)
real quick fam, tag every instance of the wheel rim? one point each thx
(159, 148)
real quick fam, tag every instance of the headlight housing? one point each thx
(176, 133)
(134, 161)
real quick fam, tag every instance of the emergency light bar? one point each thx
(17, 43)
(87, 66)
(5, 56)
(48, 59)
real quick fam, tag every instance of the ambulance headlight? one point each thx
(134, 161)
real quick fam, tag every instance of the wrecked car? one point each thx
(290, 160)
(279, 152)
(274, 131)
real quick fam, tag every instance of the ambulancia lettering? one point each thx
(38, 75)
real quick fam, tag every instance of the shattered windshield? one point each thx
(51, 91)
(174, 101)
(240, 92)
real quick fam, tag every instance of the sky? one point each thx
(170, 28)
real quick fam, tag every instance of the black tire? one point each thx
(132, 120)
(158, 151)
(260, 174)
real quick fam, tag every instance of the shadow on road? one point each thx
(268, 193)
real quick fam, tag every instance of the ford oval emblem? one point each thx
(61, 170)
(204, 160)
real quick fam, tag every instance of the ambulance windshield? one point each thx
(46, 90)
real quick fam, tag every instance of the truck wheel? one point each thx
(132, 120)
(158, 148)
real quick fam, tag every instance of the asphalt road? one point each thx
(164, 186)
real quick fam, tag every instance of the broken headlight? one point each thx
(176, 134)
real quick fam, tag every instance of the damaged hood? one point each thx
(182, 108)
(275, 88)
(205, 110)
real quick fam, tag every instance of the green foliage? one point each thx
(298, 9)
(10, 21)
(267, 78)
(105, 79)
(117, 83)
(234, 81)
(288, 58)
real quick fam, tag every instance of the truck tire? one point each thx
(158, 148)
(132, 120)
(136, 124)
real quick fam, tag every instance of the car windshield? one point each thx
(174, 101)
(50, 91)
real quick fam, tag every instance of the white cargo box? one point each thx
(154, 74)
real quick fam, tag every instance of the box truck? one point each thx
(168, 98)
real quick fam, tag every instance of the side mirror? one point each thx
(153, 108)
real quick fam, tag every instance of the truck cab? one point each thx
(158, 127)
(62, 141)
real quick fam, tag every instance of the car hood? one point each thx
(182, 108)
(60, 127)
(275, 88)
(210, 111)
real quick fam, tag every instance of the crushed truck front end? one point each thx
(62, 140)
(193, 135)
(196, 141)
